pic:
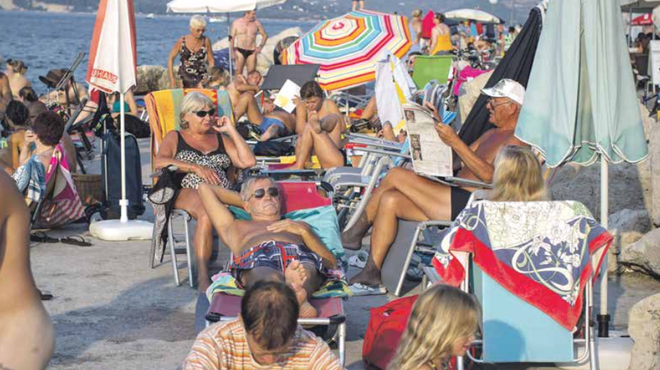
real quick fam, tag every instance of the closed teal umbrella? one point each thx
(581, 103)
(581, 100)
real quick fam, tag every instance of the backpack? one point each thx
(386, 326)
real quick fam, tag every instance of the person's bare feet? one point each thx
(295, 273)
(306, 308)
(271, 133)
(369, 275)
(203, 283)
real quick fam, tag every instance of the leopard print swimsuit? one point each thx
(217, 160)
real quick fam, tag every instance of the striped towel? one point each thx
(64, 206)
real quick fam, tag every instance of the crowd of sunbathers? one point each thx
(279, 262)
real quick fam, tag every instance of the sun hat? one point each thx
(507, 88)
(53, 77)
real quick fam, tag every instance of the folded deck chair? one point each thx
(533, 280)
(301, 201)
(164, 109)
(427, 68)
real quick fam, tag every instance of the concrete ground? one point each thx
(111, 311)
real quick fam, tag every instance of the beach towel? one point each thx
(542, 252)
(223, 282)
(30, 179)
(64, 206)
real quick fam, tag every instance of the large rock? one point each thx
(644, 328)
(654, 172)
(626, 226)
(265, 58)
(153, 78)
(644, 254)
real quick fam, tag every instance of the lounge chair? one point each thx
(534, 282)
(297, 198)
(164, 108)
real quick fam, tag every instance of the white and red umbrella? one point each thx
(112, 68)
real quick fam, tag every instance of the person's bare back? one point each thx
(488, 146)
(27, 336)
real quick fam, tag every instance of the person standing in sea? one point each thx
(243, 41)
(195, 53)
(355, 5)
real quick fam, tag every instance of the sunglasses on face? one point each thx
(203, 113)
(260, 193)
(494, 105)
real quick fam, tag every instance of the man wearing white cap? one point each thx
(404, 195)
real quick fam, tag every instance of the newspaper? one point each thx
(430, 156)
(284, 98)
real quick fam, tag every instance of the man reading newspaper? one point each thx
(405, 195)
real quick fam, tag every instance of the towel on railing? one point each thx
(542, 252)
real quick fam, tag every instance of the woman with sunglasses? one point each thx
(203, 151)
(195, 53)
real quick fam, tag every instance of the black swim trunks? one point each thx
(246, 53)
(459, 199)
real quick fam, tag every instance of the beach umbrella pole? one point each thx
(123, 203)
(604, 318)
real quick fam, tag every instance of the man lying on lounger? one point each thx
(269, 248)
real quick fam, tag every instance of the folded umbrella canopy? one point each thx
(516, 65)
(581, 100)
(581, 103)
(472, 15)
(347, 48)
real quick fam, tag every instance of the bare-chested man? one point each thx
(268, 248)
(244, 41)
(320, 126)
(403, 195)
(241, 95)
(27, 336)
(5, 94)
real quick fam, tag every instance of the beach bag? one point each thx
(273, 148)
(386, 326)
(111, 172)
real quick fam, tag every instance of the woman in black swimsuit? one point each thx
(196, 55)
(202, 150)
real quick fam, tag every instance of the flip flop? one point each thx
(76, 240)
(358, 260)
(42, 237)
(359, 290)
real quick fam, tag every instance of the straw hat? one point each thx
(53, 77)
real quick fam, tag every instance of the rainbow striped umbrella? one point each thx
(347, 48)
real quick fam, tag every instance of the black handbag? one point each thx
(273, 148)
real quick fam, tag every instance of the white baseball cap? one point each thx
(507, 88)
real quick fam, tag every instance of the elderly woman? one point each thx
(194, 51)
(203, 151)
(16, 73)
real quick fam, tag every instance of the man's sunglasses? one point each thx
(260, 193)
(494, 105)
(203, 113)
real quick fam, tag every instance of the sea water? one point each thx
(53, 40)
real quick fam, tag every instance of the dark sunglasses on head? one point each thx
(260, 193)
(203, 113)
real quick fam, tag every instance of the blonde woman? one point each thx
(16, 73)
(518, 176)
(416, 24)
(196, 55)
(204, 150)
(442, 325)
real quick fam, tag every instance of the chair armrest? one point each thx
(385, 152)
(376, 144)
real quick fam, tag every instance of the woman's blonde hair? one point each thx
(17, 66)
(192, 103)
(441, 316)
(197, 21)
(518, 176)
(417, 13)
